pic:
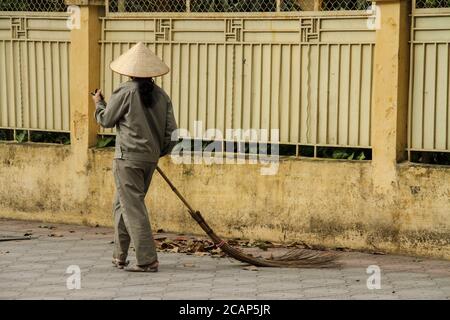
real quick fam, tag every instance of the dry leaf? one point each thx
(54, 235)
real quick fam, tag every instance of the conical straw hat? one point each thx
(139, 62)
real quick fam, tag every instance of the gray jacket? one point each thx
(143, 134)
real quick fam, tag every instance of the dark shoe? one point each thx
(147, 268)
(119, 264)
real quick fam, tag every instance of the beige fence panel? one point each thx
(308, 74)
(429, 114)
(34, 62)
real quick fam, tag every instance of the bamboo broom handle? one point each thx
(175, 190)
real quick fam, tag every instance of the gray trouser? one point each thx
(131, 221)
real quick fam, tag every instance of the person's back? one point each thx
(143, 127)
(143, 116)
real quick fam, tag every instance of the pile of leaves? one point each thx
(188, 245)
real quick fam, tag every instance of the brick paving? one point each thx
(36, 269)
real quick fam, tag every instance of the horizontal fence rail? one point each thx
(308, 76)
(429, 110)
(34, 71)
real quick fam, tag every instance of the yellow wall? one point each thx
(322, 202)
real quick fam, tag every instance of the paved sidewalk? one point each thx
(36, 269)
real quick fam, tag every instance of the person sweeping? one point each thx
(142, 114)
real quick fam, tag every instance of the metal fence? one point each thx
(121, 6)
(34, 66)
(429, 103)
(310, 76)
(33, 6)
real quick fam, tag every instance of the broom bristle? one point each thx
(308, 257)
(296, 258)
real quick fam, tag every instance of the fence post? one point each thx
(390, 92)
(84, 73)
(318, 5)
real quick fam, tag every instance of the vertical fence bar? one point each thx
(411, 85)
(422, 120)
(4, 86)
(360, 93)
(300, 92)
(289, 102)
(436, 61)
(447, 136)
(338, 93)
(13, 86)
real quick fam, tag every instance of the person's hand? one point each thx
(98, 96)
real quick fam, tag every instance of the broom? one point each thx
(297, 258)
